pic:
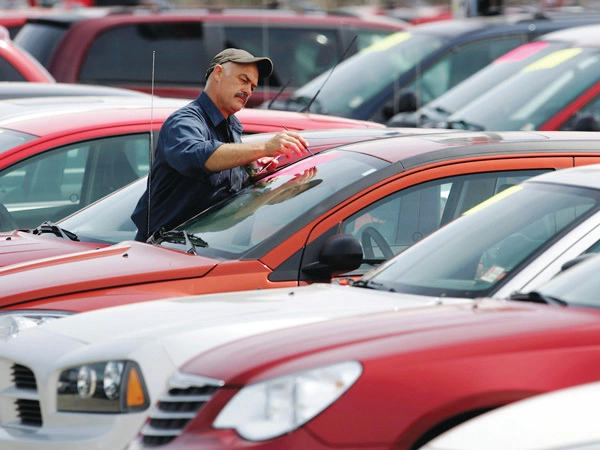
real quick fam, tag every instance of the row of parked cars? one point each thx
(401, 280)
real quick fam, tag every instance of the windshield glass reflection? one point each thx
(265, 208)
(361, 77)
(534, 95)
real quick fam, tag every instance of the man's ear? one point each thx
(218, 72)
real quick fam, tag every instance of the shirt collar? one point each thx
(215, 116)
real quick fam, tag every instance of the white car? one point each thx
(561, 420)
(88, 380)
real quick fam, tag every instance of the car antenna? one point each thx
(305, 109)
(279, 92)
(151, 159)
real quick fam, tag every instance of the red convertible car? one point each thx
(60, 154)
(344, 210)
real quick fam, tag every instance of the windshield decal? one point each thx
(521, 53)
(493, 274)
(553, 59)
(505, 193)
(390, 41)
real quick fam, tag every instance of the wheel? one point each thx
(369, 236)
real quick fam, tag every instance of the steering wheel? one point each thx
(370, 235)
(7, 222)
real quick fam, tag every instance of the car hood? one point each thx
(184, 327)
(21, 246)
(435, 332)
(126, 263)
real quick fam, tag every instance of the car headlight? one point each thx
(104, 387)
(13, 322)
(271, 408)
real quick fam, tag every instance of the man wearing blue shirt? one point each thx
(199, 155)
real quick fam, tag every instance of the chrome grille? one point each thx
(186, 395)
(28, 411)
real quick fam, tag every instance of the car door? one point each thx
(51, 185)
(389, 218)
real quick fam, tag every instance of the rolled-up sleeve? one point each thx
(188, 146)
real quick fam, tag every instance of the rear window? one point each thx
(8, 72)
(40, 39)
(125, 54)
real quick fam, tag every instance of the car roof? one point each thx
(581, 35)
(136, 15)
(51, 114)
(22, 89)
(455, 28)
(417, 150)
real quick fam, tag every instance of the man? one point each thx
(199, 157)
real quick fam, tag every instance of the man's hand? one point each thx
(287, 143)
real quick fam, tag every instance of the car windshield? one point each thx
(361, 77)
(93, 224)
(471, 256)
(264, 209)
(534, 95)
(577, 286)
(40, 39)
(11, 139)
(488, 77)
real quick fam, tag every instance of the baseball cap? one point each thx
(236, 55)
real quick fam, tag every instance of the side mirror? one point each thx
(340, 254)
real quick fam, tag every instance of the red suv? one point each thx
(127, 48)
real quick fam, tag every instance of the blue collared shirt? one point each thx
(180, 186)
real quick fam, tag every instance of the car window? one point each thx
(407, 216)
(459, 64)
(124, 54)
(10, 139)
(56, 183)
(352, 85)
(40, 39)
(298, 54)
(534, 95)
(8, 72)
(590, 110)
(472, 256)
(260, 211)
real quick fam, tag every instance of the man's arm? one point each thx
(228, 156)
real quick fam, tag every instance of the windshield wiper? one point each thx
(537, 297)
(49, 227)
(178, 236)
(464, 125)
(370, 284)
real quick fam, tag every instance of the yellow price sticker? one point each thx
(553, 59)
(490, 201)
(389, 42)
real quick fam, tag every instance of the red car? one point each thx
(60, 154)
(92, 227)
(390, 380)
(18, 65)
(126, 48)
(306, 223)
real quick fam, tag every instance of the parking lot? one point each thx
(359, 227)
